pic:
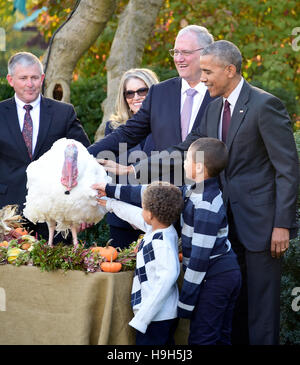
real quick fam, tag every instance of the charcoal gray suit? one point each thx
(260, 188)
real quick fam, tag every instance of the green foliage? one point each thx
(97, 234)
(6, 91)
(262, 29)
(63, 257)
(87, 95)
(290, 319)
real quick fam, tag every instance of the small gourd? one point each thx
(110, 266)
(107, 252)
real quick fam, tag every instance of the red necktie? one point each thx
(27, 129)
(225, 120)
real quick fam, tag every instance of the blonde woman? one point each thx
(133, 89)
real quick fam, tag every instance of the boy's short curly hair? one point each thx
(164, 201)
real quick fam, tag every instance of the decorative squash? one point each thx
(110, 266)
(21, 231)
(107, 252)
(26, 246)
(4, 244)
(96, 249)
(12, 254)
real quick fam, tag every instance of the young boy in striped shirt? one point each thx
(154, 295)
(212, 277)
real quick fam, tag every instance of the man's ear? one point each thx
(10, 80)
(231, 71)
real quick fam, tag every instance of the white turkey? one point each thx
(59, 188)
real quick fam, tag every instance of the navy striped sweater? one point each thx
(205, 246)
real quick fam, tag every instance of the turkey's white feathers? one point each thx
(46, 200)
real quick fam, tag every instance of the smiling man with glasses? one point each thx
(171, 108)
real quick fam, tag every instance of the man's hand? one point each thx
(115, 168)
(279, 242)
(100, 187)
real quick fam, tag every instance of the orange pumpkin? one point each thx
(20, 231)
(107, 252)
(4, 244)
(110, 266)
(96, 249)
(25, 246)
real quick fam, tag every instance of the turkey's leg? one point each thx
(51, 228)
(74, 235)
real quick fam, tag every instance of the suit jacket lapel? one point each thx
(45, 121)
(14, 127)
(175, 96)
(239, 113)
(212, 125)
(204, 103)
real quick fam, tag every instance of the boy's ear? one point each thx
(199, 168)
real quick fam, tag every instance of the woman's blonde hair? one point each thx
(122, 111)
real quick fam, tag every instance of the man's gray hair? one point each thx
(24, 59)
(203, 35)
(226, 52)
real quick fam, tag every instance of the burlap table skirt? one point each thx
(72, 308)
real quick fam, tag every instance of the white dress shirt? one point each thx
(198, 98)
(232, 99)
(35, 116)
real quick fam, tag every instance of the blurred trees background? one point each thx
(262, 29)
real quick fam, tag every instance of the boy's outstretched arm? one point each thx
(131, 194)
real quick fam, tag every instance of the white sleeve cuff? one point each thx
(109, 204)
(140, 326)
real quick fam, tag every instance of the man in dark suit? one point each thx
(260, 185)
(160, 113)
(50, 120)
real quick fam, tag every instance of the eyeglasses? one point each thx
(176, 52)
(129, 94)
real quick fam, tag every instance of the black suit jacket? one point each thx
(57, 120)
(159, 115)
(262, 177)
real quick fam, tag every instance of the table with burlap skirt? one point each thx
(67, 308)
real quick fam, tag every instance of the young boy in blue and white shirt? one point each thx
(212, 277)
(154, 296)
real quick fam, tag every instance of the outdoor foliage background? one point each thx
(262, 29)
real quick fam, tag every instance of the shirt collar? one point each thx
(201, 88)
(21, 103)
(210, 183)
(232, 98)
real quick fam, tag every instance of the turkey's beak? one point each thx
(70, 171)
